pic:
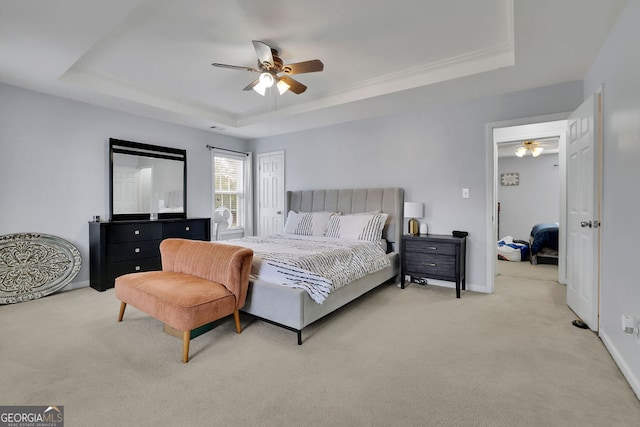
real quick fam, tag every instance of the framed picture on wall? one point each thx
(510, 178)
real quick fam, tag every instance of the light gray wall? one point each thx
(618, 67)
(432, 152)
(535, 200)
(54, 156)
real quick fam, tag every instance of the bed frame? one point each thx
(293, 309)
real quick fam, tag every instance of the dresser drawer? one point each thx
(432, 265)
(189, 229)
(122, 233)
(430, 247)
(133, 250)
(116, 269)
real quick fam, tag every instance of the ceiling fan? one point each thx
(270, 66)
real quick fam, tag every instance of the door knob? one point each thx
(585, 224)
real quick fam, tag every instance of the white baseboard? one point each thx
(633, 381)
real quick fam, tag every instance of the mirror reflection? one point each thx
(146, 185)
(147, 182)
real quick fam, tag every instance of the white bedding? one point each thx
(318, 265)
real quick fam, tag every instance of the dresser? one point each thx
(117, 248)
(434, 256)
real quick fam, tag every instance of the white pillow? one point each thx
(357, 227)
(307, 223)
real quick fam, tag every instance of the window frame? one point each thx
(244, 203)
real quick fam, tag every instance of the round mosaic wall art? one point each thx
(33, 265)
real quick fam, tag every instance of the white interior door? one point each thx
(583, 222)
(125, 190)
(271, 193)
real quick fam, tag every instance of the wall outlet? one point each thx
(628, 325)
(465, 193)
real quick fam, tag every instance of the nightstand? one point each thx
(434, 256)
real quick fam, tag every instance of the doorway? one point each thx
(512, 132)
(528, 197)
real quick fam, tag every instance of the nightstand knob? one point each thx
(429, 264)
(433, 248)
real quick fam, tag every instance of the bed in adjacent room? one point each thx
(543, 244)
(337, 245)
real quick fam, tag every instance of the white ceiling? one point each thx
(154, 57)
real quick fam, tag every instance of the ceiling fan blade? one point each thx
(252, 84)
(235, 67)
(264, 53)
(303, 67)
(294, 85)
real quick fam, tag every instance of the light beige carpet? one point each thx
(412, 357)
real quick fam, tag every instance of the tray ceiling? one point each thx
(154, 57)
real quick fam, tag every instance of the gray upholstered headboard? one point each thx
(354, 200)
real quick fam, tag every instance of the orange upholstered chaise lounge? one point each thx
(200, 282)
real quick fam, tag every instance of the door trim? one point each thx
(491, 186)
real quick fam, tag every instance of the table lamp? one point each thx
(413, 210)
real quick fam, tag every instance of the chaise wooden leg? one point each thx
(186, 337)
(236, 317)
(123, 305)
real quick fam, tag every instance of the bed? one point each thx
(294, 308)
(543, 244)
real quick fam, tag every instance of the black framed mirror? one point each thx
(146, 181)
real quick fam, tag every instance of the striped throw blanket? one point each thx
(318, 265)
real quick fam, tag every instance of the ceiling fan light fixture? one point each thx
(266, 79)
(536, 151)
(533, 147)
(282, 86)
(521, 151)
(260, 88)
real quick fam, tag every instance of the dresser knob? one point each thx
(137, 250)
(186, 228)
(137, 268)
(136, 232)
(433, 248)
(429, 264)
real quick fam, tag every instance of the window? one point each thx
(232, 189)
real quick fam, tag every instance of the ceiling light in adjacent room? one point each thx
(533, 147)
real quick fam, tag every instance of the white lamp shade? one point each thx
(282, 86)
(536, 151)
(413, 210)
(260, 88)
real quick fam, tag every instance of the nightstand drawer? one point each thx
(430, 247)
(434, 265)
